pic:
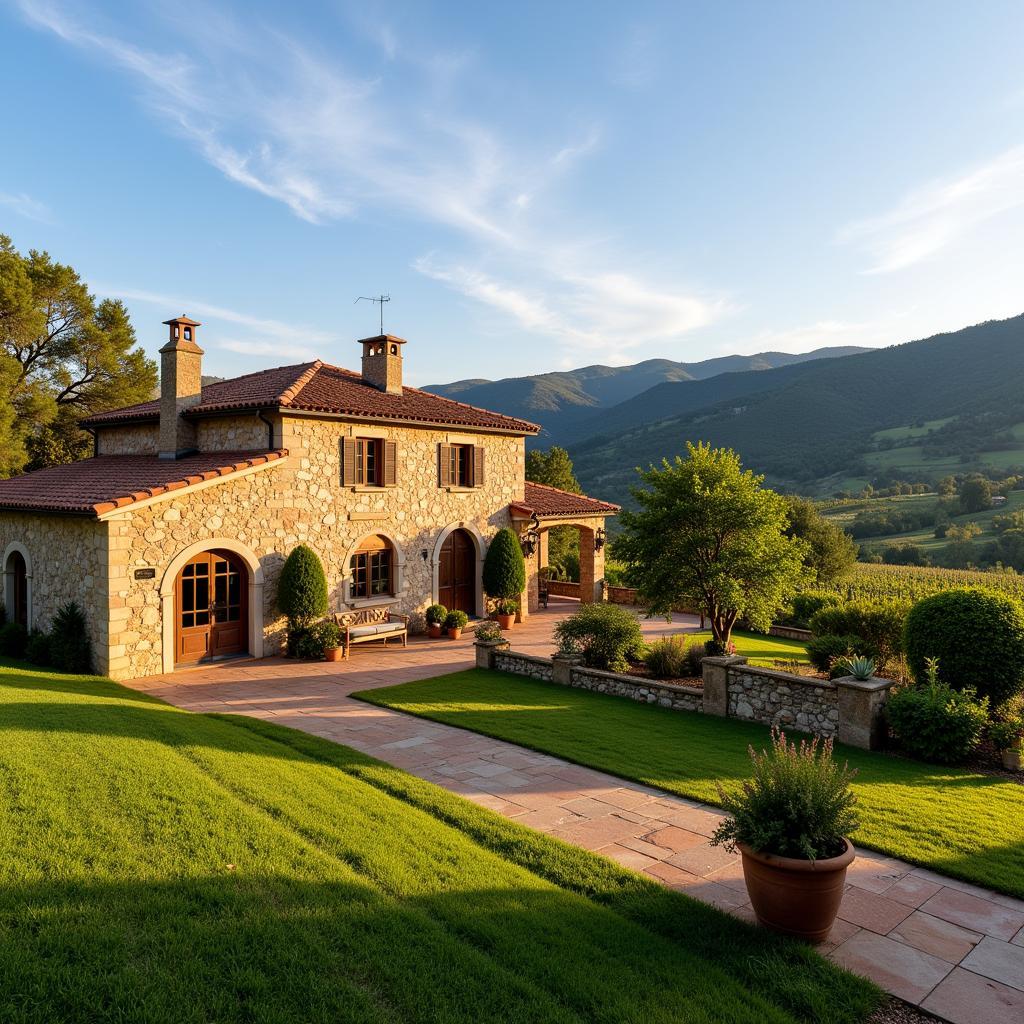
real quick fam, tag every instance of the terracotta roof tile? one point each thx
(318, 387)
(95, 486)
(550, 501)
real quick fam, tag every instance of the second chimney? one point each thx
(382, 362)
(181, 387)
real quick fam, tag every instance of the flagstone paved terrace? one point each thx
(954, 949)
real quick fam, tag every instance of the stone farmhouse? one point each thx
(171, 538)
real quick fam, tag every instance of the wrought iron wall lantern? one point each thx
(599, 538)
(529, 540)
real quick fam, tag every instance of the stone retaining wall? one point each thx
(848, 709)
(563, 588)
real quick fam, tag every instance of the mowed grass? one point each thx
(961, 823)
(763, 650)
(161, 866)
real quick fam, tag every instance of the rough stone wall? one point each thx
(779, 698)
(67, 560)
(139, 439)
(523, 665)
(301, 501)
(679, 698)
(232, 433)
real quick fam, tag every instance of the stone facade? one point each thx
(665, 695)
(523, 665)
(141, 439)
(262, 514)
(779, 698)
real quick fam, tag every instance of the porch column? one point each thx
(591, 567)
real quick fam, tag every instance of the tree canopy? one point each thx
(831, 552)
(63, 356)
(706, 533)
(553, 468)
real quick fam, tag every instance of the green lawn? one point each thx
(764, 650)
(161, 866)
(961, 823)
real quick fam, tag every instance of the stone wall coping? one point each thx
(727, 660)
(872, 685)
(492, 643)
(641, 681)
(533, 659)
(789, 677)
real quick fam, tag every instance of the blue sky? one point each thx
(537, 185)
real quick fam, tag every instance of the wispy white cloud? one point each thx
(24, 205)
(939, 214)
(328, 143)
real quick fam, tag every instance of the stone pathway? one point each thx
(954, 949)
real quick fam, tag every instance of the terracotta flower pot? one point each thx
(505, 621)
(454, 634)
(434, 629)
(1011, 759)
(332, 653)
(796, 897)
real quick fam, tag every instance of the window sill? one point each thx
(367, 488)
(460, 489)
(373, 602)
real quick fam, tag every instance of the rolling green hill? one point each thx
(924, 408)
(559, 400)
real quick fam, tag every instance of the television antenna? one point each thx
(380, 300)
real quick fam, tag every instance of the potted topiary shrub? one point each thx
(504, 572)
(1008, 737)
(436, 615)
(790, 823)
(301, 593)
(328, 633)
(505, 612)
(455, 623)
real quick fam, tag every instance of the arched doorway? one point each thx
(17, 588)
(457, 573)
(211, 608)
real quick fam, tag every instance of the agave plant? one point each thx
(860, 668)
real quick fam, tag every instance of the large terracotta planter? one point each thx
(454, 634)
(505, 621)
(796, 897)
(434, 630)
(333, 653)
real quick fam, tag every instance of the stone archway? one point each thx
(253, 597)
(480, 549)
(17, 570)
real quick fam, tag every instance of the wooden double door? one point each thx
(457, 573)
(211, 608)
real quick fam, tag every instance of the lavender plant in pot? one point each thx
(790, 822)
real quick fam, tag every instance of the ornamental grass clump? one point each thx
(797, 804)
(667, 658)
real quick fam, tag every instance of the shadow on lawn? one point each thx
(243, 946)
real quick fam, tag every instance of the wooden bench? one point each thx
(366, 624)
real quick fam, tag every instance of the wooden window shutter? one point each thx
(478, 466)
(390, 464)
(348, 462)
(444, 464)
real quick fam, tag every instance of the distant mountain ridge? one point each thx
(559, 401)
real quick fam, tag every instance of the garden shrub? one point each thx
(301, 593)
(606, 636)
(70, 646)
(936, 723)
(877, 624)
(798, 803)
(312, 642)
(977, 636)
(3, 616)
(667, 658)
(38, 650)
(13, 640)
(807, 603)
(456, 619)
(695, 654)
(504, 572)
(436, 614)
(826, 652)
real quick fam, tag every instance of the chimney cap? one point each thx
(382, 337)
(183, 320)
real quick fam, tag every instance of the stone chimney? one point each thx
(181, 386)
(382, 362)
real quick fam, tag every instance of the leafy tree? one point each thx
(63, 356)
(504, 573)
(830, 551)
(707, 533)
(946, 486)
(555, 469)
(975, 494)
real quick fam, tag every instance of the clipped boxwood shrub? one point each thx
(878, 625)
(977, 636)
(808, 603)
(504, 573)
(935, 722)
(436, 614)
(302, 588)
(13, 640)
(604, 635)
(70, 646)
